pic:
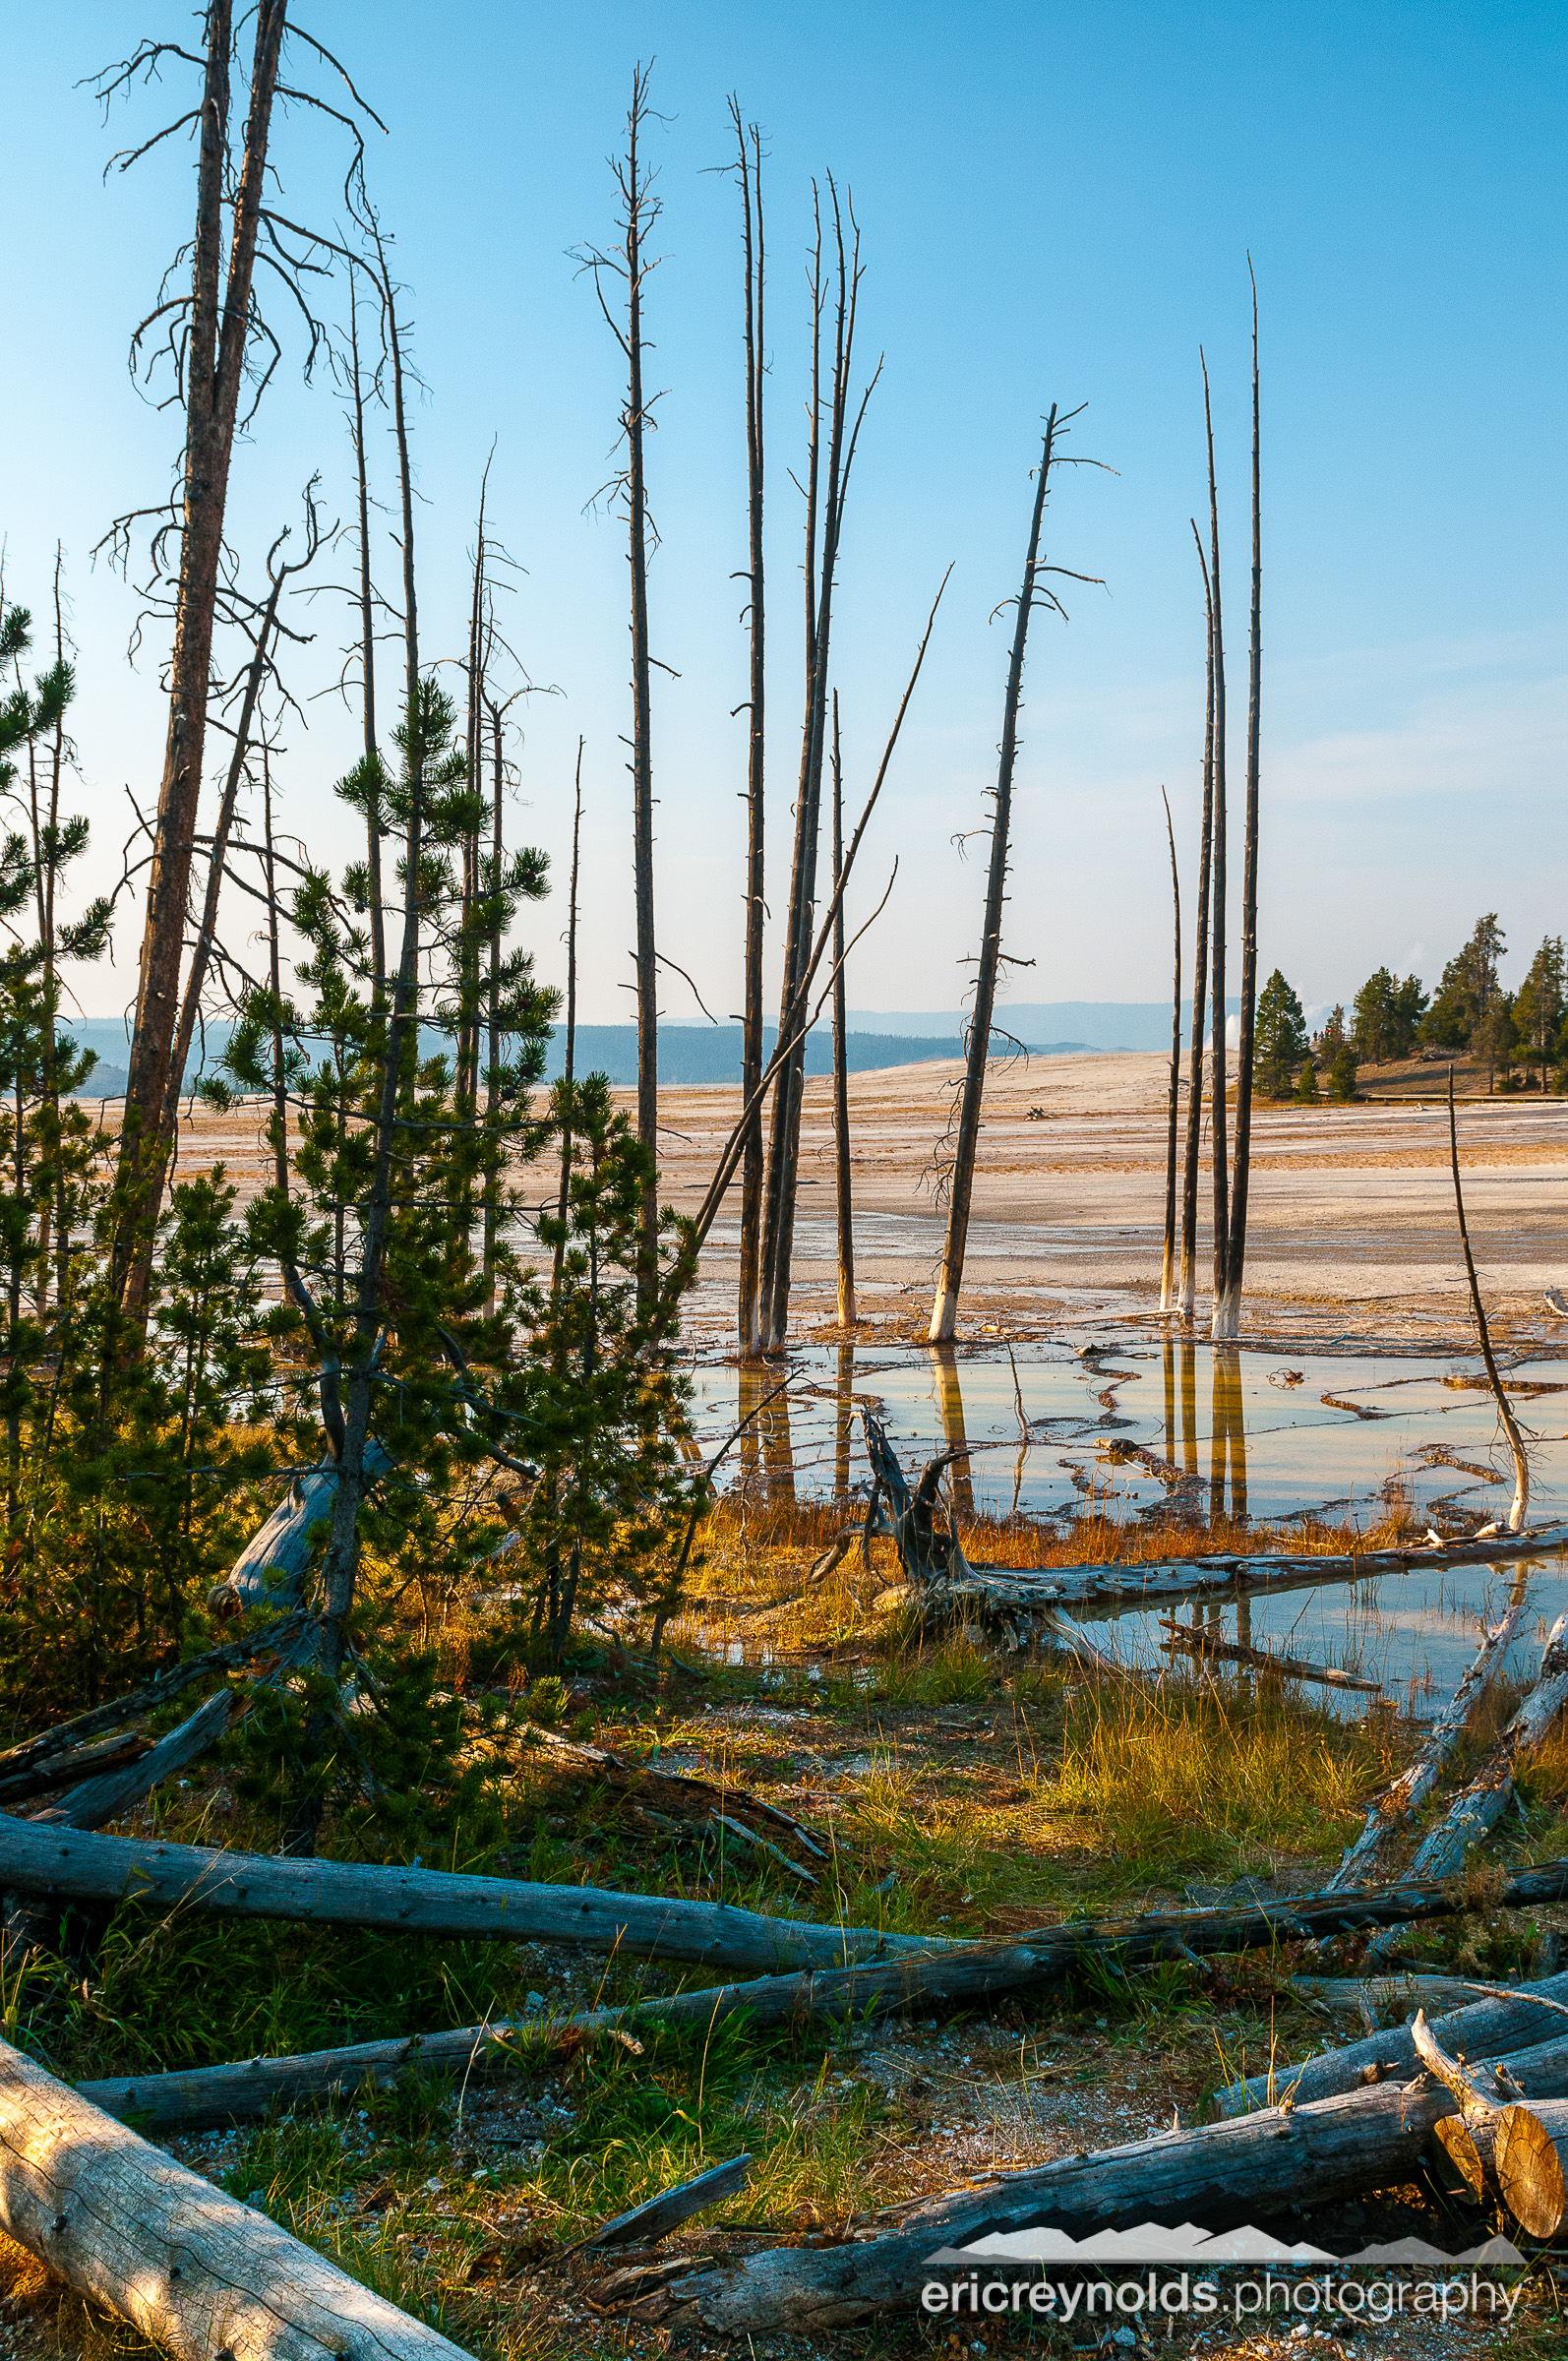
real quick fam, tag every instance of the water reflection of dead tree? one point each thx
(1510, 1425)
(950, 1403)
(843, 1417)
(1168, 1270)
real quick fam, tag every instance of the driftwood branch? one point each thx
(161, 1690)
(661, 2214)
(1468, 2136)
(1281, 1668)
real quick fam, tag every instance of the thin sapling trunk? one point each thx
(1167, 1267)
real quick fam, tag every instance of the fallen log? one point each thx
(161, 1690)
(95, 1801)
(659, 2215)
(67, 1768)
(67, 1867)
(954, 1582)
(1532, 2160)
(193, 2269)
(944, 1974)
(1480, 1804)
(1394, 1990)
(1224, 2174)
(1259, 1660)
(1483, 2028)
(1395, 1808)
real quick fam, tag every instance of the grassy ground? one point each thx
(957, 1792)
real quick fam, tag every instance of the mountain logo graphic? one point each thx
(1152, 2242)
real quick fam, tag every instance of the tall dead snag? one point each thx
(842, 1164)
(825, 510)
(195, 2271)
(629, 263)
(1168, 1270)
(1520, 1508)
(217, 329)
(568, 1055)
(749, 147)
(1187, 1290)
(373, 774)
(1216, 1118)
(949, 1279)
(1228, 1306)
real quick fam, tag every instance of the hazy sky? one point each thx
(1055, 204)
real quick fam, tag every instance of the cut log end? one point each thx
(1532, 2165)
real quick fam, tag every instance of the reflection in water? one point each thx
(778, 1456)
(1190, 1405)
(843, 1417)
(950, 1403)
(1228, 1436)
(1169, 1397)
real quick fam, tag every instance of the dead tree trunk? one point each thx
(1482, 1803)
(1520, 1507)
(1221, 2174)
(1481, 2029)
(1187, 1291)
(1410, 1790)
(1228, 1308)
(1167, 1260)
(821, 569)
(1531, 2152)
(749, 145)
(218, 325)
(949, 1279)
(192, 2269)
(367, 658)
(569, 1054)
(841, 1161)
(1217, 1082)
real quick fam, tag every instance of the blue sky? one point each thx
(1055, 204)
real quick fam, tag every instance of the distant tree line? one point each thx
(1522, 1036)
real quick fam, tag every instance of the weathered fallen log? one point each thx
(1259, 1660)
(1480, 1804)
(1410, 1790)
(161, 1690)
(658, 2216)
(193, 2269)
(1394, 1991)
(274, 1562)
(1225, 2174)
(954, 1582)
(1531, 2152)
(95, 1801)
(1483, 2028)
(67, 1768)
(67, 1867)
(944, 1974)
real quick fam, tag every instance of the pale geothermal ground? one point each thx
(1351, 1232)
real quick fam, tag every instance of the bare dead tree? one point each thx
(1186, 1294)
(1228, 1308)
(824, 511)
(1520, 1508)
(748, 167)
(202, 949)
(569, 1062)
(217, 338)
(631, 264)
(1217, 1083)
(949, 1279)
(841, 1165)
(1167, 1269)
(373, 829)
